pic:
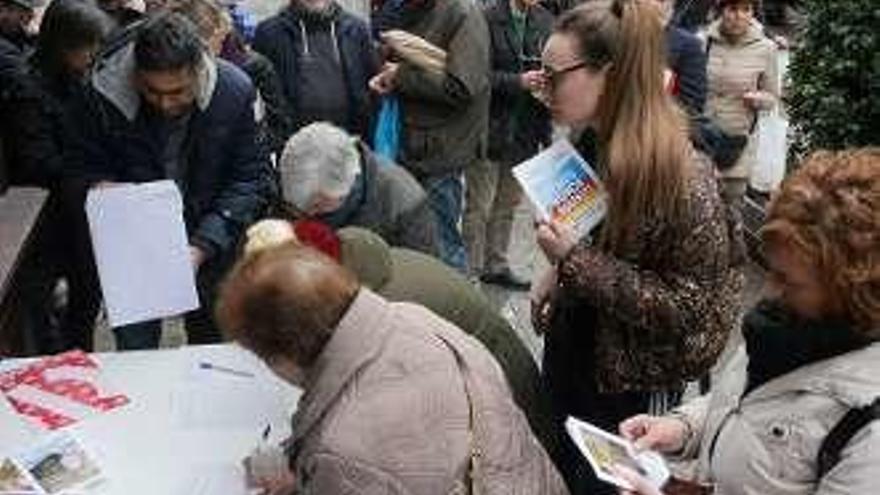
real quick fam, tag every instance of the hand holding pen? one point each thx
(267, 468)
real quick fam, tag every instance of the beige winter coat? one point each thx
(768, 442)
(386, 412)
(734, 68)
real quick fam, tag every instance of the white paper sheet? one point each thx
(221, 388)
(141, 251)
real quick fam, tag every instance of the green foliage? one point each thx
(834, 100)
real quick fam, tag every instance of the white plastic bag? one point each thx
(772, 148)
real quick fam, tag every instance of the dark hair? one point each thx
(206, 15)
(69, 25)
(285, 301)
(168, 41)
(723, 4)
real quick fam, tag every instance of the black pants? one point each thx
(569, 375)
(60, 249)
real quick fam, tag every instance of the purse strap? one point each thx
(475, 454)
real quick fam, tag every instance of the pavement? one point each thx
(526, 261)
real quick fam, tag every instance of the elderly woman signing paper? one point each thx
(396, 399)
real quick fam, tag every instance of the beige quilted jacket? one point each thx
(386, 412)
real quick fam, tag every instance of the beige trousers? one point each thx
(491, 197)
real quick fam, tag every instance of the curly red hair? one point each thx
(829, 210)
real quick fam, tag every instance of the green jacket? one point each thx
(400, 274)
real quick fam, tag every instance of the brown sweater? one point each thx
(666, 306)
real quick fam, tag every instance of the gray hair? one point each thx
(319, 158)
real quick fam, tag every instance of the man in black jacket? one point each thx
(162, 108)
(519, 125)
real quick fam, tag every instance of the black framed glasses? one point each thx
(554, 76)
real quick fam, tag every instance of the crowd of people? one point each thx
(355, 274)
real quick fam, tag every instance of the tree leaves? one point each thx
(834, 101)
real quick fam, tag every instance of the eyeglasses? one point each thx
(554, 76)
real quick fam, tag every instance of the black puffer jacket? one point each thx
(277, 125)
(44, 127)
(13, 71)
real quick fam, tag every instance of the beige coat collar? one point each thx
(356, 342)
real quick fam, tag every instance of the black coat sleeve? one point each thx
(278, 118)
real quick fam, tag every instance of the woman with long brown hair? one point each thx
(649, 304)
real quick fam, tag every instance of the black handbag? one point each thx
(723, 148)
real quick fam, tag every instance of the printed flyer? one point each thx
(564, 188)
(57, 391)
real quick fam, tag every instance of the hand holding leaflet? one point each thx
(564, 188)
(606, 453)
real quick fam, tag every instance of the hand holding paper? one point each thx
(640, 484)
(663, 434)
(141, 250)
(564, 190)
(606, 453)
(555, 239)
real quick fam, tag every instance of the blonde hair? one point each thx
(268, 233)
(642, 134)
(829, 211)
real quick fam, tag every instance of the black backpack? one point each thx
(842, 433)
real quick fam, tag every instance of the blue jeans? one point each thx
(445, 197)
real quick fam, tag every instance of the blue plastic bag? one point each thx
(386, 139)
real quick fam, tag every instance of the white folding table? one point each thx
(184, 431)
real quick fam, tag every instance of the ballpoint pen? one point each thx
(223, 369)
